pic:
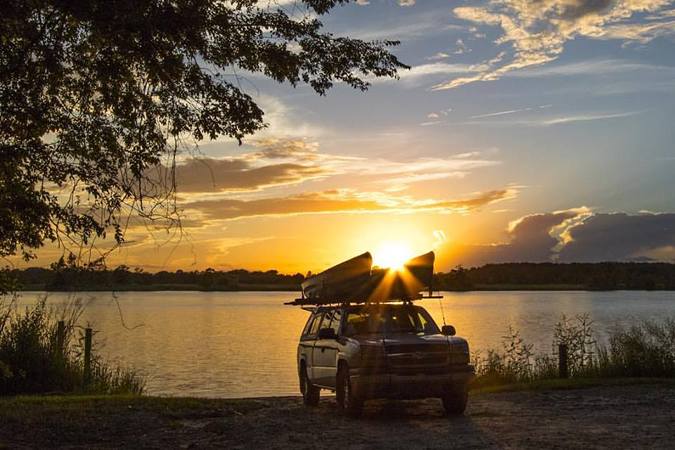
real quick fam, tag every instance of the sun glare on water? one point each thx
(392, 255)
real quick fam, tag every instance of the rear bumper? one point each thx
(370, 386)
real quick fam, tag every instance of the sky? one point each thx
(524, 131)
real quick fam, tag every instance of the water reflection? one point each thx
(242, 344)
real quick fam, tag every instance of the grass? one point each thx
(645, 350)
(35, 357)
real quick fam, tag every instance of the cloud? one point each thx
(276, 162)
(530, 240)
(619, 237)
(461, 47)
(585, 118)
(275, 148)
(400, 2)
(577, 235)
(595, 68)
(418, 74)
(237, 174)
(339, 201)
(438, 56)
(399, 174)
(546, 121)
(374, 170)
(435, 115)
(500, 113)
(537, 31)
(641, 33)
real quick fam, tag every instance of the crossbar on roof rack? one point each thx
(324, 302)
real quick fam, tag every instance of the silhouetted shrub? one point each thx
(34, 359)
(645, 349)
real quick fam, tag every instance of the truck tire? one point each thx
(310, 393)
(348, 403)
(455, 400)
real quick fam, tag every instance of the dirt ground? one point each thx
(637, 416)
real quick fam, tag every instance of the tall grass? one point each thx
(645, 349)
(34, 360)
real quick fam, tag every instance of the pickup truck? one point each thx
(383, 350)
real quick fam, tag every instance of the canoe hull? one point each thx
(404, 284)
(342, 282)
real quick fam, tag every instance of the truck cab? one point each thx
(382, 350)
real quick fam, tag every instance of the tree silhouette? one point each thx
(97, 98)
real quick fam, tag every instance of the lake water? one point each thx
(243, 344)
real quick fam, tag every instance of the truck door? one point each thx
(326, 350)
(307, 343)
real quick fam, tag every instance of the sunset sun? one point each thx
(392, 255)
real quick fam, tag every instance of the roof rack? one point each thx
(327, 302)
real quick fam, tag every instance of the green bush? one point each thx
(35, 359)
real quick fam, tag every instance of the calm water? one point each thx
(242, 344)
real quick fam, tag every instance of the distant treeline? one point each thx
(65, 276)
(589, 276)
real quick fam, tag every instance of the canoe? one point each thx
(342, 282)
(421, 268)
(405, 284)
(355, 281)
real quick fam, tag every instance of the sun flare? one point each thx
(392, 255)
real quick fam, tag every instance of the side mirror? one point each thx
(327, 333)
(448, 330)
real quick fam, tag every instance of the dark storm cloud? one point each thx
(617, 237)
(530, 241)
(531, 238)
(578, 236)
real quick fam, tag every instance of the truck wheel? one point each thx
(347, 401)
(310, 393)
(455, 400)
